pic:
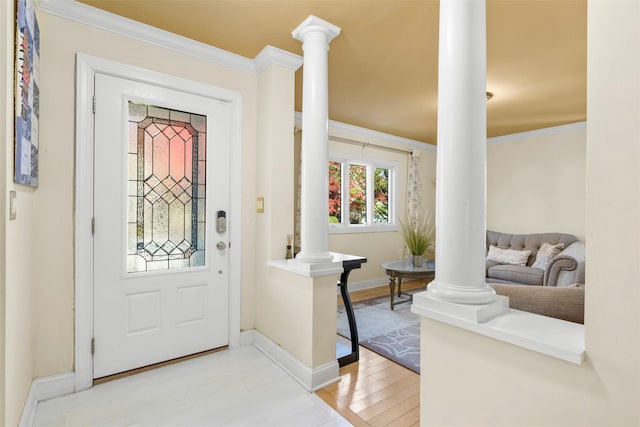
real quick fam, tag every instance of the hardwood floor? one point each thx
(376, 391)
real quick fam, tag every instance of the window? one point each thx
(361, 196)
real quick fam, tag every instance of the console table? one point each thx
(403, 268)
(349, 263)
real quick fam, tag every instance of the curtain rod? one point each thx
(368, 144)
(360, 143)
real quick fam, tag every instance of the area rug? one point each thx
(394, 334)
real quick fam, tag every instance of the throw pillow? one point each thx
(546, 253)
(508, 256)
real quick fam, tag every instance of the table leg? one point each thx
(392, 289)
(354, 356)
(399, 286)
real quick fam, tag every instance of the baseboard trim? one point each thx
(46, 388)
(311, 379)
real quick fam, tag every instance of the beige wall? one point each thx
(18, 275)
(536, 182)
(297, 313)
(6, 10)
(282, 300)
(469, 379)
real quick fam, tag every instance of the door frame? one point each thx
(86, 68)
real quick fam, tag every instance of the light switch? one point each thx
(12, 206)
(260, 205)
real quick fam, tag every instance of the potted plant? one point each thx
(418, 232)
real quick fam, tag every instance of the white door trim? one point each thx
(86, 68)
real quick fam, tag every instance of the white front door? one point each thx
(161, 199)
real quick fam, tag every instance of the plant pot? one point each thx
(416, 260)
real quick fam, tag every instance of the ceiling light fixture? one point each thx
(489, 95)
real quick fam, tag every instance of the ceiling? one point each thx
(383, 67)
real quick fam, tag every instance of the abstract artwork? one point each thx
(27, 95)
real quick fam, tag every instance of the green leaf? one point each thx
(418, 232)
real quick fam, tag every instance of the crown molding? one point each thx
(368, 134)
(97, 18)
(534, 133)
(273, 55)
(365, 134)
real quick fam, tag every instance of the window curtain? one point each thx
(297, 171)
(414, 188)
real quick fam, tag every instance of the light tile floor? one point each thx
(239, 387)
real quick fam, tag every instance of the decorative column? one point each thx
(461, 158)
(315, 34)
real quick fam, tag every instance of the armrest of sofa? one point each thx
(567, 267)
(560, 303)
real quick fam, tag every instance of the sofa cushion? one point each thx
(516, 274)
(561, 303)
(489, 265)
(546, 253)
(508, 256)
(531, 242)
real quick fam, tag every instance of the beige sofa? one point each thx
(557, 291)
(565, 269)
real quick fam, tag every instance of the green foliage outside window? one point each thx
(357, 194)
(381, 195)
(357, 204)
(335, 193)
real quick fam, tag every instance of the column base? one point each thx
(425, 304)
(462, 294)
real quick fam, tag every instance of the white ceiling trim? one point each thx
(368, 134)
(538, 132)
(273, 55)
(87, 15)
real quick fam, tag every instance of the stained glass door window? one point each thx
(166, 194)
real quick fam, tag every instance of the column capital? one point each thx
(315, 24)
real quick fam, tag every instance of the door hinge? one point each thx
(94, 104)
(93, 226)
(93, 346)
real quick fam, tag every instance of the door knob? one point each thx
(221, 246)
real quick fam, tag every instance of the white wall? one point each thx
(469, 379)
(536, 181)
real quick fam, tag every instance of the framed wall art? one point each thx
(27, 94)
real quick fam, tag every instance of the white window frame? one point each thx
(371, 164)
